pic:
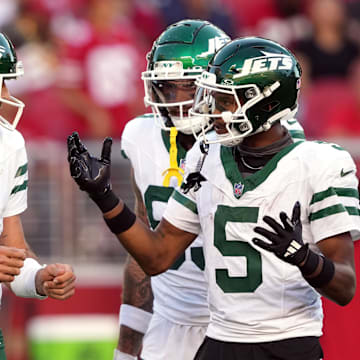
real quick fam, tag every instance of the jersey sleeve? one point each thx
(18, 180)
(181, 210)
(295, 129)
(334, 205)
(128, 143)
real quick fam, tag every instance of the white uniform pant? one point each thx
(165, 340)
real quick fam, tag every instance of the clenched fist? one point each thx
(56, 281)
(11, 262)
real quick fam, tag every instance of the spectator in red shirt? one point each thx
(100, 71)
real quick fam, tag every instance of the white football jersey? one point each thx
(13, 175)
(253, 295)
(180, 294)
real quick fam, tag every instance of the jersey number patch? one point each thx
(228, 247)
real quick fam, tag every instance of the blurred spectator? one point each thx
(344, 119)
(42, 116)
(248, 14)
(215, 11)
(319, 100)
(8, 11)
(328, 52)
(100, 70)
(353, 10)
(289, 26)
(147, 18)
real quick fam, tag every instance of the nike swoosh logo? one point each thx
(344, 173)
(292, 122)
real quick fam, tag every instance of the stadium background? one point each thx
(95, 49)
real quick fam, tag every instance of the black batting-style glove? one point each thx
(90, 173)
(286, 241)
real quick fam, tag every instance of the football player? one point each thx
(173, 65)
(300, 197)
(19, 268)
(180, 306)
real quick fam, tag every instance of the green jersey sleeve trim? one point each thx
(334, 209)
(18, 188)
(347, 192)
(185, 201)
(331, 210)
(123, 153)
(21, 170)
(297, 134)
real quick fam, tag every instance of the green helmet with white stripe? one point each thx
(10, 68)
(259, 77)
(179, 55)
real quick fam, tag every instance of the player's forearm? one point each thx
(151, 249)
(130, 341)
(137, 286)
(341, 289)
(136, 292)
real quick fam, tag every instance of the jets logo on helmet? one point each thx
(214, 44)
(269, 62)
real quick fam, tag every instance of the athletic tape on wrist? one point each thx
(24, 283)
(119, 355)
(122, 221)
(134, 318)
(325, 276)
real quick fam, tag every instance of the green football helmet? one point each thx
(10, 68)
(178, 56)
(259, 78)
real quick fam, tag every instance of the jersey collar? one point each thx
(234, 175)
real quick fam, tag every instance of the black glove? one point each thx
(286, 242)
(90, 173)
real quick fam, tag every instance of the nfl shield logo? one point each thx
(182, 164)
(238, 189)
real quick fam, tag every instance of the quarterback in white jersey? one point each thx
(277, 217)
(19, 268)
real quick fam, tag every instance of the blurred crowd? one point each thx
(83, 58)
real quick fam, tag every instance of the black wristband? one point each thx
(326, 274)
(311, 263)
(106, 201)
(122, 221)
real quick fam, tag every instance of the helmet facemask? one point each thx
(10, 68)
(18, 71)
(178, 56)
(250, 84)
(229, 103)
(209, 104)
(162, 86)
